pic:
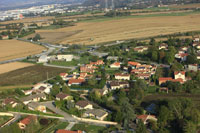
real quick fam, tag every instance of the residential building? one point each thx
(141, 49)
(192, 67)
(163, 46)
(122, 76)
(75, 82)
(181, 56)
(65, 57)
(165, 79)
(97, 63)
(63, 96)
(115, 65)
(165, 89)
(100, 91)
(37, 107)
(143, 76)
(5, 37)
(10, 101)
(179, 75)
(64, 76)
(118, 85)
(83, 105)
(112, 58)
(97, 113)
(33, 98)
(145, 118)
(26, 121)
(43, 59)
(42, 88)
(27, 92)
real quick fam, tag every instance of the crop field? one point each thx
(4, 68)
(186, 6)
(29, 75)
(122, 28)
(11, 49)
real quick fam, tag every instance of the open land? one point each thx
(11, 49)
(122, 28)
(13, 66)
(29, 75)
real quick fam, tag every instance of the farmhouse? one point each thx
(75, 82)
(115, 65)
(33, 98)
(26, 121)
(83, 105)
(37, 107)
(63, 96)
(10, 101)
(121, 76)
(97, 113)
(65, 57)
(145, 118)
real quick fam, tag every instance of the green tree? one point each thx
(141, 128)
(66, 89)
(128, 114)
(37, 37)
(164, 116)
(154, 56)
(189, 127)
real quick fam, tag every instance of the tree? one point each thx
(37, 37)
(189, 127)
(154, 56)
(141, 128)
(191, 59)
(169, 58)
(128, 114)
(164, 116)
(66, 89)
(0, 37)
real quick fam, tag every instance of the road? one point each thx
(50, 106)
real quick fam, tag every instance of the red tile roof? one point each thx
(177, 72)
(74, 81)
(116, 64)
(28, 119)
(165, 78)
(133, 63)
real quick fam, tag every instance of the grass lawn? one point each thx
(4, 119)
(88, 128)
(56, 126)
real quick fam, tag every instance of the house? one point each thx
(133, 64)
(86, 69)
(63, 96)
(143, 76)
(198, 56)
(37, 107)
(64, 76)
(122, 76)
(196, 39)
(100, 91)
(181, 56)
(26, 121)
(163, 46)
(145, 118)
(184, 48)
(97, 63)
(83, 105)
(83, 75)
(118, 85)
(97, 113)
(198, 46)
(75, 82)
(10, 101)
(192, 67)
(179, 75)
(42, 88)
(65, 57)
(115, 65)
(33, 98)
(5, 37)
(141, 49)
(165, 89)
(27, 92)
(67, 131)
(164, 80)
(43, 59)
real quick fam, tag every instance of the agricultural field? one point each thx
(11, 49)
(29, 75)
(123, 28)
(4, 68)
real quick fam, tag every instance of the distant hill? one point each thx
(12, 4)
(137, 3)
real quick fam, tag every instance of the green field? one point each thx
(88, 128)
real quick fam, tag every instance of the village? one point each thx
(92, 92)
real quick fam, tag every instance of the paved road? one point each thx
(50, 106)
(69, 127)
